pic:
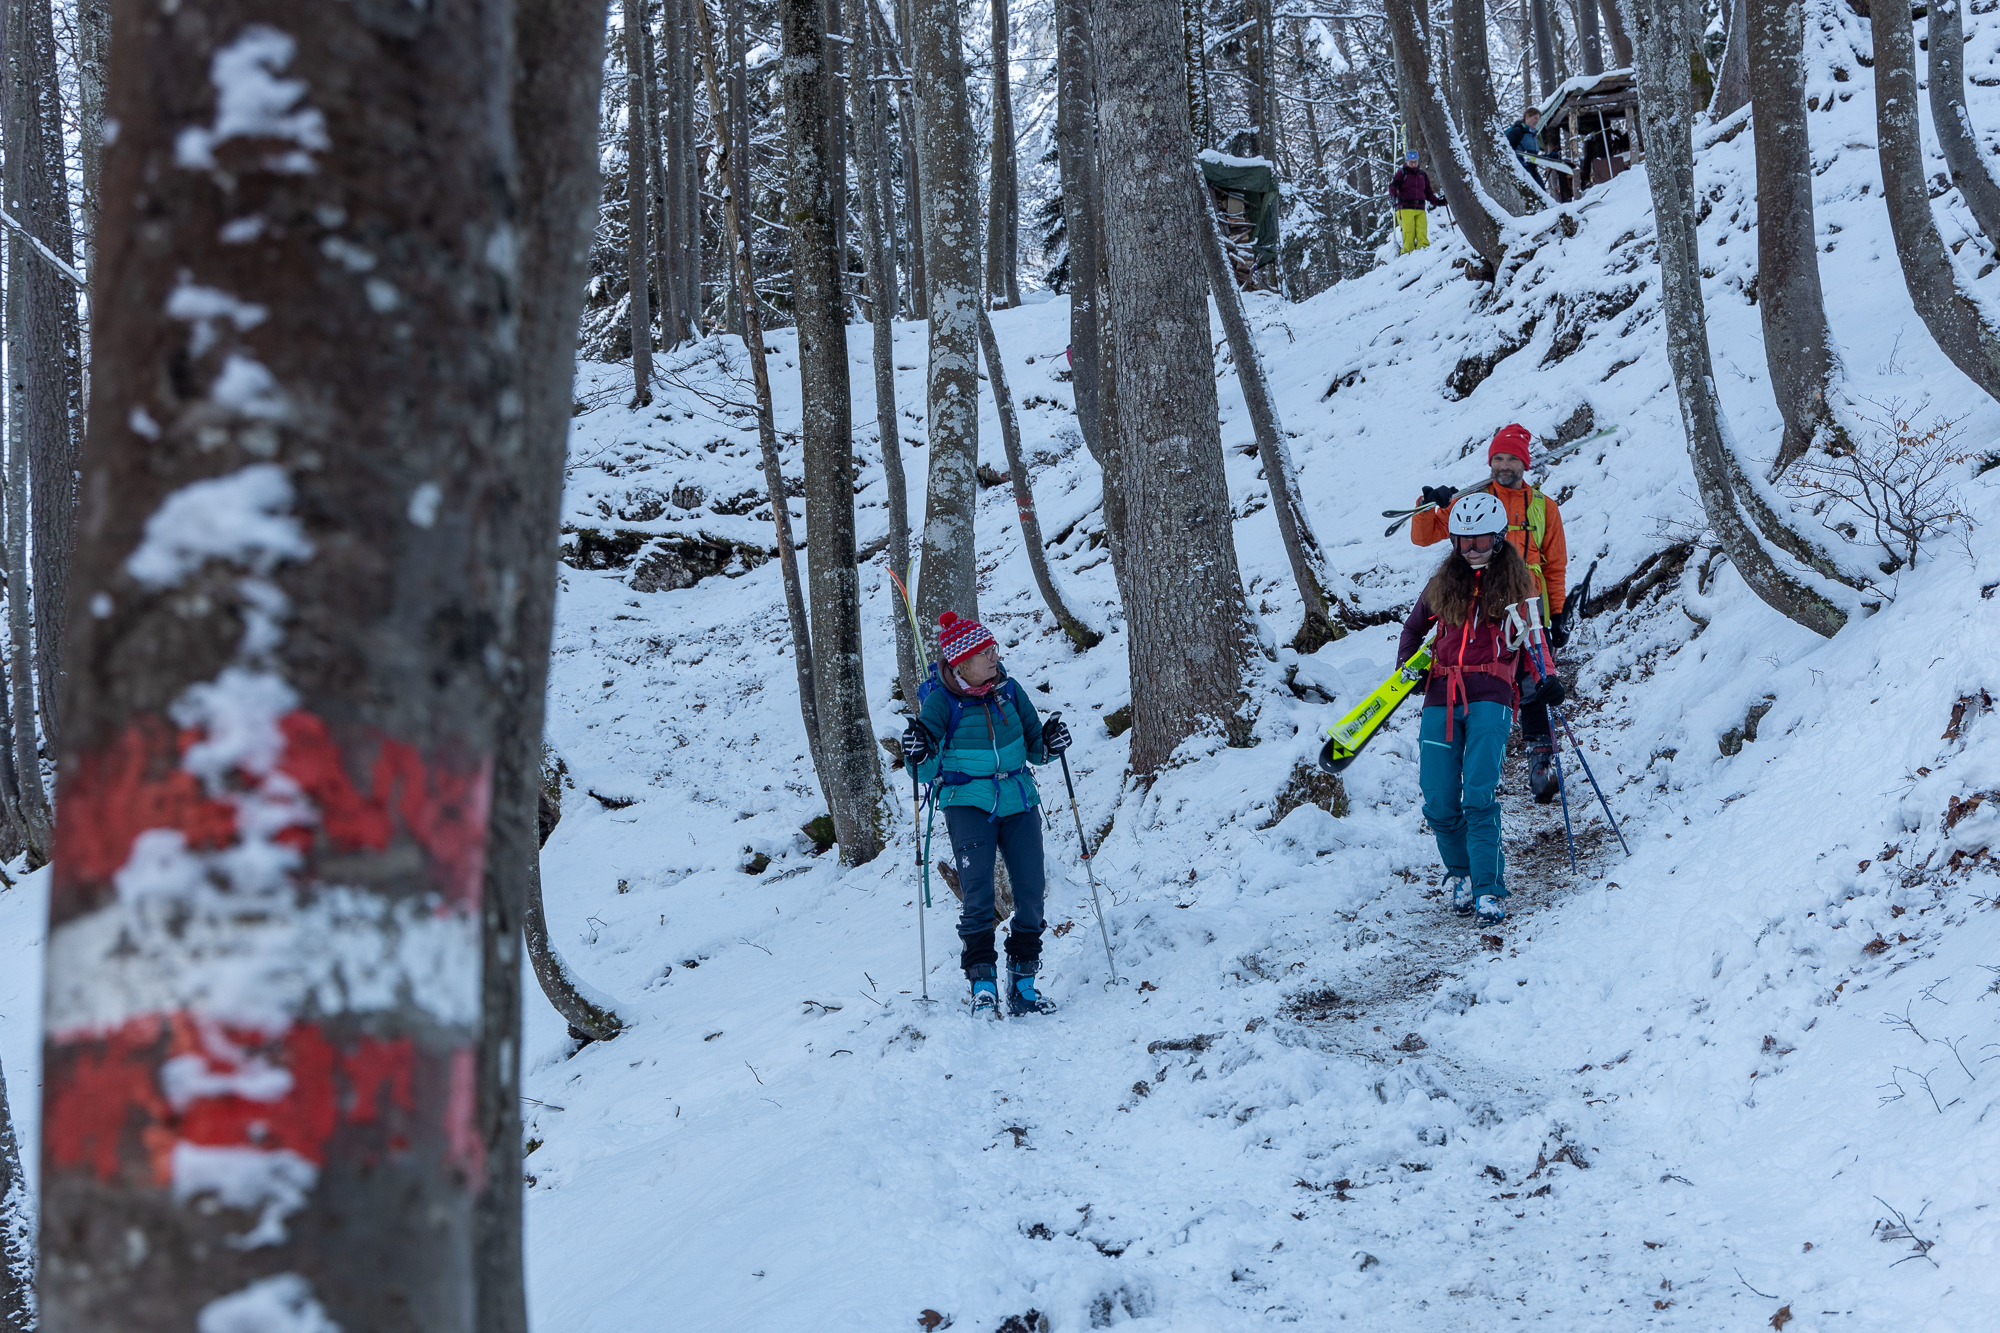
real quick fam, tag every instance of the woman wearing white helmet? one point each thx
(1470, 699)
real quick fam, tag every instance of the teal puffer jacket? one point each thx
(998, 736)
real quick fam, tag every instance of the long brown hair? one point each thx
(1506, 581)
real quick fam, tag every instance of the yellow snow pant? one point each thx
(1416, 228)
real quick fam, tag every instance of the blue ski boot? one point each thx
(985, 993)
(1021, 997)
(1492, 910)
(1459, 888)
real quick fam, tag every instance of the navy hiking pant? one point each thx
(974, 840)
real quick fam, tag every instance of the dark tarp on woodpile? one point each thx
(1252, 178)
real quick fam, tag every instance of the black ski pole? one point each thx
(1613, 819)
(1562, 788)
(923, 877)
(1083, 848)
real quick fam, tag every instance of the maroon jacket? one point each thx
(1411, 188)
(1472, 664)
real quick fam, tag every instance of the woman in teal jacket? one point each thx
(973, 738)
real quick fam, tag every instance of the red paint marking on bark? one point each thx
(134, 784)
(106, 1085)
(465, 1147)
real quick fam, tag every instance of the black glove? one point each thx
(1055, 736)
(1549, 692)
(1559, 629)
(1439, 495)
(917, 743)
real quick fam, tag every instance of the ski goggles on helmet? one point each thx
(1485, 541)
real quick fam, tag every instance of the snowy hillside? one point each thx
(1668, 1090)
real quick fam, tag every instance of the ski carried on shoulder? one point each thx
(1345, 738)
(1403, 516)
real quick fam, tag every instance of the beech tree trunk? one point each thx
(17, 1230)
(850, 765)
(1302, 548)
(1733, 81)
(588, 1011)
(637, 205)
(1076, 163)
(282, 715)
(949, 578)
(898, 49)
(1003, 189)
(1797, 345)
(1177, 575)
(93, 48)
(1954, 320)
(658, 192)
(559, 68)
(1545, 49)
(1589, 39)
(865, 100)
(1080, 634)
(1665, 44)
(1493, 162)
(1962, 154)
(1449, 160)
(735, 171)
(1615, 32)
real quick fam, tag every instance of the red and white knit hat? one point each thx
(959, 640)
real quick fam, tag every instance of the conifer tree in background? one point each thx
(285, 723)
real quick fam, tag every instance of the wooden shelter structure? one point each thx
(1244, 194)
(1594, 122)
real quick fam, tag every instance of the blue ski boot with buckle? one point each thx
(1491, 909)
(1459, 889)
(985, 993)
(1021, 997)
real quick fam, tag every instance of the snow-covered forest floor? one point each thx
(1682, 1100)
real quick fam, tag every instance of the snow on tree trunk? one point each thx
(1954, 320)
(735, 173)
(949, 578)
(264, 998)
(1615, 33)
(1449, 161)
(1003, 190)
(1954, 126)
(17, 1230)
(1797, 344)
(865, 100)
(559, 66)
(1302, 548)
(1733, 81)
(637, 205)
(1177, 575)
(1076, 163)
(899, 49)
(1665, 43)
(1080, 634)
(850, 764)
(1493, 162)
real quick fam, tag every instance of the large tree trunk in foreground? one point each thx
(1449, 161)
(1493, 162)
(559, 63)
(1302, 548)
(636, 205)
(1950, 314)
(1177, 572)
(1076, 162)
(1733, 81)
(1797, 345)
(1962, 154)
(866, 101)
(1003, 189)
(1080, 634)
(949, 579)
(1665, 42)
(277, 768)
(17, 1230)
(850, 764)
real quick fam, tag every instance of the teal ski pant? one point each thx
(1460, 778)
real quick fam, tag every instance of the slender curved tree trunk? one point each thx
(1615, 32)
(1962, 333)
(285, 727)
(865, 101)
(736, 171)
(1080, 634)
(588, 1011)
(17, 1230)
(1797, 345)
(1187, 622)
(850, 764)
(1449, 159)
(1076, 162)
(637, 204)
(1302, 548)
(1003, 189)
(1665, 43)
(559, 66)
(949, 578)
(1733, 82)
(1969, 171)
(1493, 163)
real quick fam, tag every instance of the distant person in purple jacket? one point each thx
(1411, 190)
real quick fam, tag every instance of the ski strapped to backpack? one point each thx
(1345, 738)
(1555, 455)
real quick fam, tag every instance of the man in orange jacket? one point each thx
(1534, 526)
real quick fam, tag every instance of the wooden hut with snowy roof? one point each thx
(1595, 124)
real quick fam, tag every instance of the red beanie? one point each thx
(959, 640)
(1510, 440)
